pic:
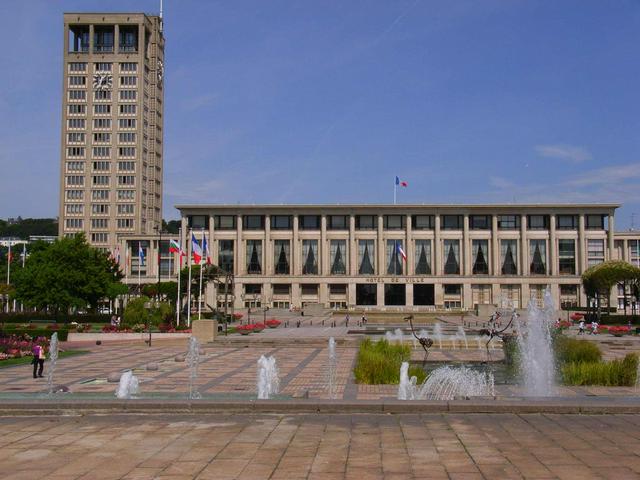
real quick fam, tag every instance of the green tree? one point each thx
(141, 311)
(598, 280)
(68, 273)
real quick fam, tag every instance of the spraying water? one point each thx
(446, 383)
(396, 336)
(128, 385)
(534, 340)
(193, 359)
(53, 357)
(332, 371)
(407, 388)
(268, 382)
(462, 336)
(437, 334)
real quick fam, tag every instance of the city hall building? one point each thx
(394, 257)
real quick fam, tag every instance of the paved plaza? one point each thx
(314, 447)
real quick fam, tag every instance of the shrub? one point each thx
(570, 350)
(237, 316)
(139, 327)
(109, 329)
(378, 363)
(617, 373)
(273, 323)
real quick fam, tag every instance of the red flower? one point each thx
(273, 323)
(576, 316)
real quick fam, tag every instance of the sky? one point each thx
(469, 101)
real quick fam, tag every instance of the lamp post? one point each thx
(264, 312)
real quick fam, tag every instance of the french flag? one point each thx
(402, 183)
(196, 249)
(401, 252)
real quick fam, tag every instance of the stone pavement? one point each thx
(321, 447)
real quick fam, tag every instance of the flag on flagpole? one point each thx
(196, 249)
(174, 247)
(205, 248)
(140, 254)
(402, 183)
(401, 252)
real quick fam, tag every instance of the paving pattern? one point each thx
(315, 447)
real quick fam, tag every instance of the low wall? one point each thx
(106, 337)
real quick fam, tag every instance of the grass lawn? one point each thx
(27, 360)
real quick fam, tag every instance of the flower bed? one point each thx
(18, 346)
(237, 316)
(258, 327)
(244, 329)
(618, 331)
(273, 323)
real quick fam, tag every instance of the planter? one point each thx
(272, 326)
(245, 332)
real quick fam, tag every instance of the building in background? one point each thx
(395, 257)
(112, 126)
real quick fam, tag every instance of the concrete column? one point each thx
(495, 247)
(267, 294)
(296, 300)
(467, 296)
(323, 294)
(610, 236)
(295, 250)
(581, 252)
(381, 268)
(553, 247)
(409, 294)
(438, 294)
(437, 253)
(524, 247)
(353, 251)
(525, 293)
(351, 294)
(465, 253)
(625, 250)
(323, 248)
(380, 294)
(239, 266)
(267, 265)
(409, 248)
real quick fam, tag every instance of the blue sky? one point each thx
(325, 102)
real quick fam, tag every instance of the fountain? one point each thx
(407, 387)
(446, 383)
(332, 370)
(268, 381)
(128, 385)
(536, 354)
(396, 336)
(437, 334)
(53, 356)
(193, 359)
(462, 336)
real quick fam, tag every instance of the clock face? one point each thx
(102, 81)
(160, 71)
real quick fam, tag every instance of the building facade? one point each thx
(405, 257)
(112, 126)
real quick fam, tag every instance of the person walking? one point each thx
(38, 360)
(346, 320)
(364, 319)
(581, 327)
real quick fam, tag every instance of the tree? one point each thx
(138, 311)
(115, 290)
(68, 273)
(172, 226)
(600, 279)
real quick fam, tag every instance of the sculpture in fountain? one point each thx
(53, 356)
(332, 369)
(193, 359)
(268, 381)
(425, 342)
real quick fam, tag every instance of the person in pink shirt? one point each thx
(38, 360)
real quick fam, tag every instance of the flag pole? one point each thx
(190, 253)
(395, 188)
(178, 302)
(8, 275)
(139, 263)
(200, 287)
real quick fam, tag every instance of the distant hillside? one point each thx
(24, 227)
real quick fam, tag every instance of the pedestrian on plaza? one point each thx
(114, 319)
(594, 327)
(38, 360)
(346, 320)
(364, 319)
(581, 327)
(118, 321)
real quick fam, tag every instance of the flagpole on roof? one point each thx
(189, 252)
(200, 286)
(178, 301)
(395, 188)
(8, 274)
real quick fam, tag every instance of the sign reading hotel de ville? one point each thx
(395, 280)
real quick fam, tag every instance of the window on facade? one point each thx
(75, 152)
(76, 123)
(508, 222)
(126, 209)
(452, 289)
(338, 222)
(281, 289)
(338, 257)
(128, 41)
(100, 209)
(366, 257)
(74, 194)
(309, 257)
(451, 257)
(538, 256)
(126, 151)
(366, 294)
(76, 109)
(126, 194)
(394, 222)
(77, 81)
(594, 222)
(567, 257)
(127, 166)
(75, 166)
(253, 288)
(254, 256)
(538, 222)
(102, 123)
(634, 252)
(73, 223)
(281, 222)
(128, 81)
(101, 137)
(198, 222)
(225, 255)
(101, 152)
(224, 222)
(395, 257)
(126, 180)
(480, 222)
(127, 123)
(423, 222)
(509, 257)
(127, 137)
(99, 237)
(451, 222)
(100, 223)
(77, 95)
(99, 194)
(99, 95)
(337, 289)
(595, 252)
(309, 222)
(77, 67)
(75, 180)
(567, 222)
(128, 109)
(74, 209)
(480, 257)
(253, 222)
(366, 222)
(128, 67)
(102, 109)
(423, 257)
(282, 256)
(103, 67)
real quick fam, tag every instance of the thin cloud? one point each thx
(608, 176)
(564, 152)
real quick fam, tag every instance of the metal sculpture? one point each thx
(494, 329)
(425, 342)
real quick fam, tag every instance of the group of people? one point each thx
(594, 327)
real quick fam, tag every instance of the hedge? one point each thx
(26, 317)
(614, 319)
